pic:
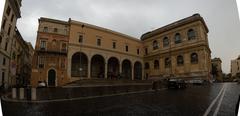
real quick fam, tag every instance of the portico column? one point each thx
(120, 67)
(105, 71)
(132, 72)
(89, 70)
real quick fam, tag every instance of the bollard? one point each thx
(21, 93)
(33, 94)
(14, 93)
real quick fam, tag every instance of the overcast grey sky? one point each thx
(135, 17)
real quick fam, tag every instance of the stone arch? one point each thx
(113, 67)
(79, 65)
(97, 66)
(126, 69)
(138, 70)
(52, 77)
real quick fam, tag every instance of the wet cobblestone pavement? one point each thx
(192, 101)
(213, 100)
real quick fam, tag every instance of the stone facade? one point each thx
(50, 56)
(217, 69)
(10, 15)
(235, 70)
(96, 52)
(21, 61)
(178, 50)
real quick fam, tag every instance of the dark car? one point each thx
(177, 83)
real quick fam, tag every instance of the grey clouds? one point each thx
(135, 17)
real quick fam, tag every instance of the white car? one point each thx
(41, 84)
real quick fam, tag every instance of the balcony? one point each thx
(52, 51)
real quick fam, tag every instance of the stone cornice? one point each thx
(194, 18)
(105, 30)
(92, 47)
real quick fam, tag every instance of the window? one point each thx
(42, 45)
(4, 61)
(138, 51)
(3, 78)
(177, 38)
(194, 58)
(155, 45)
(165, 41)
(191, 34)
(12, 17)
(65, 31)
(80, 38)
(41, 62)
(9, 30)
(167, 62)
(45, 29)
(64, 47)
(4, 23)
(114, 45)
(156, 64)
(55, 30)
(146, 51)
(99, 42)
(13, 56)
(54, 42)
(146, 66)
(180, 60)
(63, 63)
(6, 46)
(126, 47)
(8, 10)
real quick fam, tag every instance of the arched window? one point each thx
(156, 64)
(167, 62)
(155, 45)
(180, 60)
(194, 58)
(177, 38)
(191, 34)
(54, 42)
(146, 66)
(165, 41)
(45, 29)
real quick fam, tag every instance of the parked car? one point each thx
(177, 83)
(197, 82)
(41, 84)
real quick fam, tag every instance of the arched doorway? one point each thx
(97, 66)
(138, 71)
(126, 69)
(79, 66)
(51, 77)
(113, 67)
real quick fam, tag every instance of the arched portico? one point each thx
(138, 70)
(79, 65)
(113, 67)
(126, 69)
(97, 66)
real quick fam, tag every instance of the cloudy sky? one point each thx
(135, 17)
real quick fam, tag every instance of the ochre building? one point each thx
(71, 50)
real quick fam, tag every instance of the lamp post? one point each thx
(80, 41)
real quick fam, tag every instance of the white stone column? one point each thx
(89, 69)
(33, 94)
(21, 93)
(14, 93)
(120, 67)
